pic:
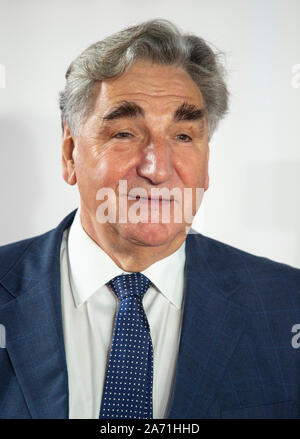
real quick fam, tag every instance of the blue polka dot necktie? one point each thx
(127, 390)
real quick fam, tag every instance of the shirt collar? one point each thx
(91, 268)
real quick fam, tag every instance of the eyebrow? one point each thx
(127, 109)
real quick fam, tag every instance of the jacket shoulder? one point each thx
(251, 281)
(46, 242)
(10, 253)
(233, 256)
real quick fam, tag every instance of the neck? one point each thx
(128, 252)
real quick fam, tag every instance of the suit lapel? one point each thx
(211, 327)
(33, 324)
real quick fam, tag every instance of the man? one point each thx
(117, 313)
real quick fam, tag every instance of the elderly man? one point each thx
(120, 312)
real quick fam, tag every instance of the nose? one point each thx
(156, 162)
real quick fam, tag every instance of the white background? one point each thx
(253, 199)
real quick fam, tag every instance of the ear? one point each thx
(206, 182)
(68, 166)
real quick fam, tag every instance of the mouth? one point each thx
(150, 199)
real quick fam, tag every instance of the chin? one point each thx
(150, 233)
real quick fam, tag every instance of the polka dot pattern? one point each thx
(127, 390)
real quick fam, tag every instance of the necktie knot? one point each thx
(129, 285)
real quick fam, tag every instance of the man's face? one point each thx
(145, 143)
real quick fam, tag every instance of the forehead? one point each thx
(152, 85)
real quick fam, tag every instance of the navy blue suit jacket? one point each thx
(236, 359)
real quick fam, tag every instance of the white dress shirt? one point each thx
(89, 308)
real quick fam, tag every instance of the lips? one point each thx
(149, 198)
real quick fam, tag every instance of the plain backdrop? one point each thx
(253, 199)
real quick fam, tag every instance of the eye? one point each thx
(122, 135)
(184, 137)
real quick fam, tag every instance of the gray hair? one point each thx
(159, 41)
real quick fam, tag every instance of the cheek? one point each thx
(97, 170)
(193, 170)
